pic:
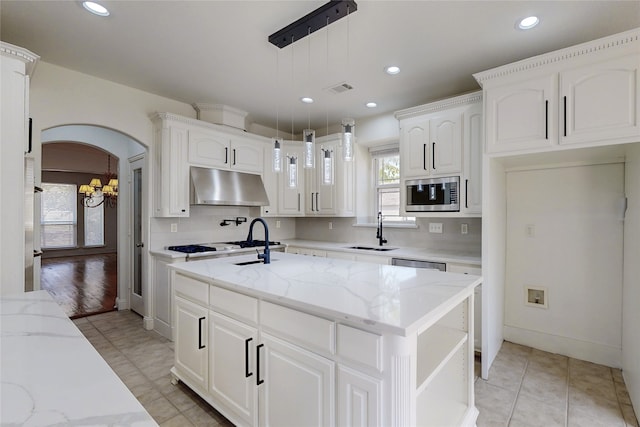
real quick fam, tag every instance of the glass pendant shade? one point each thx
(327, 167)
(292, 172)
(348, 135)
(277, 156)
(309, 140)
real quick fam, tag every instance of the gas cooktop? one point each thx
(212, 247)
(191, 249)
(251, 243)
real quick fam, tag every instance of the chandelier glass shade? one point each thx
(309, 140)
(348, 136)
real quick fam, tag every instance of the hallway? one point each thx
(82, 285)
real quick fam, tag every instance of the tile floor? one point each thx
(527, 387)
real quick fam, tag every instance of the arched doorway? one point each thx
(122, 149)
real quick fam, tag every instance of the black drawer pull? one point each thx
(200, 346)
(258, 379)
(247, 374)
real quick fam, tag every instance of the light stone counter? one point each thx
(464, 257)
(51, 375)
(384, 298)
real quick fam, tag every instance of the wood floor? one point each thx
(82, 285)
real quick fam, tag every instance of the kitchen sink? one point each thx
(255, 261)
(371, 248)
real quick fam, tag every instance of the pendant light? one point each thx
(292, 171)
(277, 141)
(309, 135)
(348, 124)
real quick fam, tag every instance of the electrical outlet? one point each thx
(277, 224)
(464, 228)
(330, 225)
(435, 227)
(536, 297)
(174, 228)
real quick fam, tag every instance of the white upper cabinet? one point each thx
(600, 101)
(291, 182)
(522, 115)
(414, 147)
(584, 95)
(473, 137)
(446, 143)
(219, 150)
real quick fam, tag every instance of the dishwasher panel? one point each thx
(419, 264)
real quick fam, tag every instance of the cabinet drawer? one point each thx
(193, 289)
(360, 347)
(303, 329)
(236, 305)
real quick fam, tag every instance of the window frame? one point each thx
(377, 154)
(72, 223)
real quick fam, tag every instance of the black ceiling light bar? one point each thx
(312, 22)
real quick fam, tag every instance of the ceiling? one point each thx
(217, 51)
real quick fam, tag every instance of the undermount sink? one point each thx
(371, 248)
(255, 261)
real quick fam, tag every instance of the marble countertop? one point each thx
(51, 375)
(383, 298)
(464, 257)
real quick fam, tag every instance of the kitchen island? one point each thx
(51, 375)
(316, 341)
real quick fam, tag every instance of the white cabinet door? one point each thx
(472, 183)
(600, 101)
(172, 189)
(162, 298)
(207, 148)
(246, 156)
(191, 347)
(522, 116)
(446, 143)
(291, 182)
(232, 368)
(326, 161)
(414, 147)
(298, 388)
(359, 399)
(270, 179)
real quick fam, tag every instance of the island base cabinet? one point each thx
(298, 388)
(191, 350)
(232, 379)
(359, 399)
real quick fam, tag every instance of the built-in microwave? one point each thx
(433, 194)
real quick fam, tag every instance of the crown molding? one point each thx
(596, 46)
(29, 58)
(444, 104)
(175, 118)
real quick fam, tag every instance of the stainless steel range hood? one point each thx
(226, 188)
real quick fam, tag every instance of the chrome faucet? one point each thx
(266, 256)
(381, 240)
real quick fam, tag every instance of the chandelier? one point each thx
(95, 194)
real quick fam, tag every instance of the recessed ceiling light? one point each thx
(371, 105)
(392, 69)
(528, 22)
(306, 100)
(95, 8)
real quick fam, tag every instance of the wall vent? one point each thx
(536, 297)
(339, 88)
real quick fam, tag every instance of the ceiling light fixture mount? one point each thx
(312, 22)
(95, 8)
(527, 23)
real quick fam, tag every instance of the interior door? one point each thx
(137, 294)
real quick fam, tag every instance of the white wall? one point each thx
(631, 287)
(575, 250)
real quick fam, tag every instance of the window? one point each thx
(59, 216)
(386, 166)
(94, 226)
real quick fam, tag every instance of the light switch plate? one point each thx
(464, 228)
(174, 228)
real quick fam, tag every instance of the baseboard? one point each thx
(584, 350)
(163, 329)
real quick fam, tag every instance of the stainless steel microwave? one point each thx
(433, 194)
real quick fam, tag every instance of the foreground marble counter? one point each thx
(385, 298)
(51, 375)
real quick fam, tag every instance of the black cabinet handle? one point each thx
(317, 204)
(247, 374)
(200, 346)
(424, 156)
(565, 115)
(433, 155)
(312, 202)
(298, 202)
(226, 155)
(546, 119)
(30, 135)
(466, 193)
(258, 379)
(234, 156)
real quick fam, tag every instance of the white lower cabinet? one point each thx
(191, 350)
(298, 388)
(359, 399)
(232, 378)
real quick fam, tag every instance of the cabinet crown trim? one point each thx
(596, 46)
(164, 116)
(442, 105)
(24, 55)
